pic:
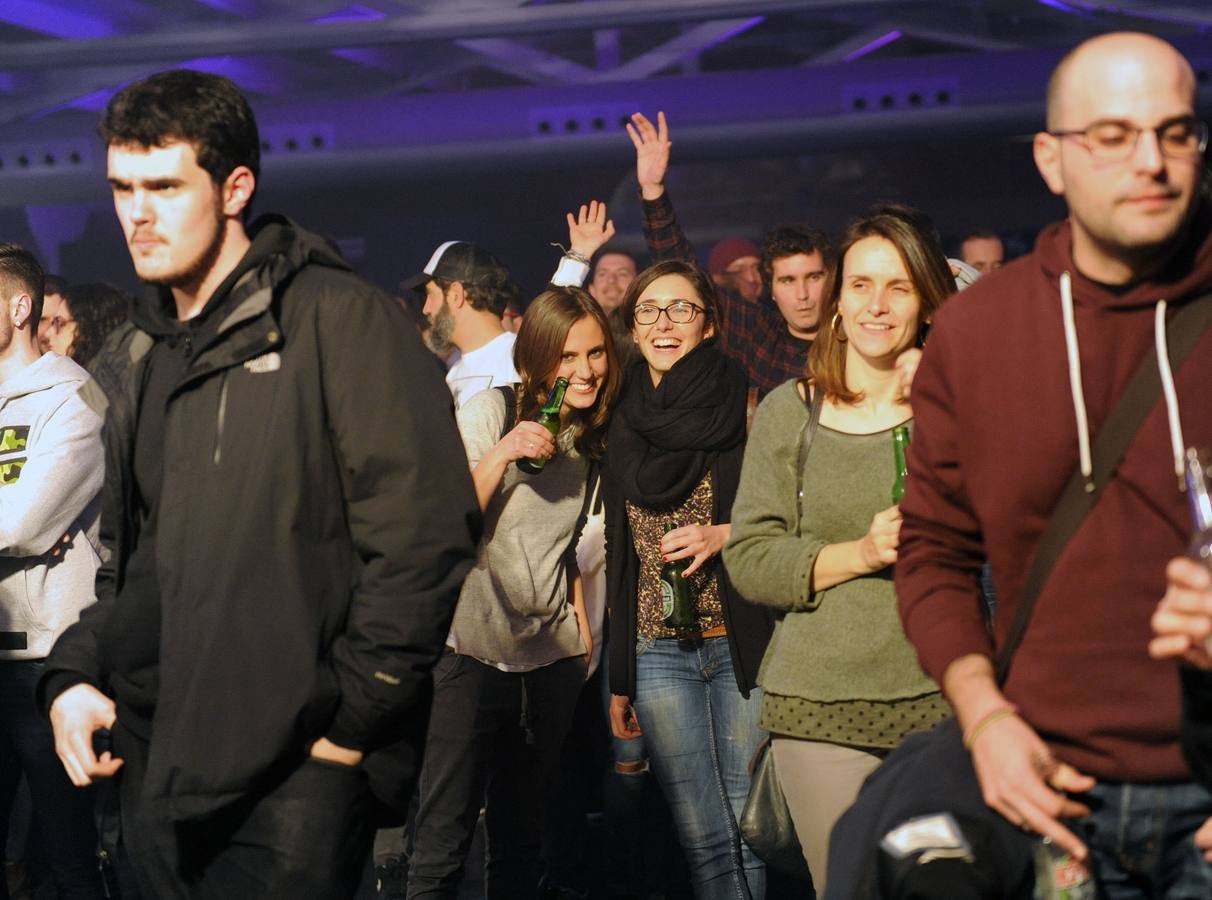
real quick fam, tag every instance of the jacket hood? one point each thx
(48, 371)
(280, 247)
(1182, 278)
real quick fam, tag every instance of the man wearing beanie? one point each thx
(734, 264)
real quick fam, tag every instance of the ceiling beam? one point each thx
(1175, 14)
(247, 38)
(687, 45)
(525, 61)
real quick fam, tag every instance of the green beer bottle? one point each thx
(677, 602)
(549, 418)
(900, 443)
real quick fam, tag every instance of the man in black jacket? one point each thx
(287, 522)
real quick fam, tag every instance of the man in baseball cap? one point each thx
(466, 291)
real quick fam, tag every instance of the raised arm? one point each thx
(661, 229)
(588, 231)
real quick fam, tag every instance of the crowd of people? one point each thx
(289, 562)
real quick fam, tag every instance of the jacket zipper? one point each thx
(220, 418)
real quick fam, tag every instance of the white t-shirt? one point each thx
(483, 368)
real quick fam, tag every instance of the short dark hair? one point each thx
(53, 284)
(98, 309)
(611, 251)
(981, 234)
(204, 110)
(782, 241)
(701, 281)
(21, 273)
(491, 290)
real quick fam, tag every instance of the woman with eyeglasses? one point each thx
(75, 323)
(815, 530)
(673, 456)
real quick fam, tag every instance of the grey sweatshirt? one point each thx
(515, 611)
(51, 469)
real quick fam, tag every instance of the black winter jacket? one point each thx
(316, 521)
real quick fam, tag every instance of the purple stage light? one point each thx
(355, 12)
(882, 41)
(54, 20)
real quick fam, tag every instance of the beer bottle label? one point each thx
(666, 599)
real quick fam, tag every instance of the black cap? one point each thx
(455, 261)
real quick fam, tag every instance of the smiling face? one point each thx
(664, 342)
(584, 363)
(611, 276)
(878, 303)
(796, 284)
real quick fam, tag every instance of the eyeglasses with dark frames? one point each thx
(680, 312)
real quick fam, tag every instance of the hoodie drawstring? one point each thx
(1079, 399)
(1167, 381)
(1075, 383)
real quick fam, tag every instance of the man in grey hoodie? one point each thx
(51, 469)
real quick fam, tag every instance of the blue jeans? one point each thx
(700, 734)
(1141, 840)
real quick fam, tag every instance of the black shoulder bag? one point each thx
(765, 823)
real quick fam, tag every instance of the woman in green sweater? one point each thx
(814, 533)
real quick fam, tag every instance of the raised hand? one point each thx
(589, 231)
(652, 147)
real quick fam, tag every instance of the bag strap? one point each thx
(1110, 444)
(511, 407)
(814, 400)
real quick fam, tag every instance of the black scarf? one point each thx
(664, 439)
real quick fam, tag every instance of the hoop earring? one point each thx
(836, 326)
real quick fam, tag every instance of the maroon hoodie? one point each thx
(995, 441)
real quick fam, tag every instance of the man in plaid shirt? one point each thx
(771, 339)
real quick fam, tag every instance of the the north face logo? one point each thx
(267, 362)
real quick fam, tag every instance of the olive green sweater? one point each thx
(843, 643)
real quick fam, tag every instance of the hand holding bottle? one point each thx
(623, 723)
(698, 541)
(527, 440)
(877, 548)
(1182, 621)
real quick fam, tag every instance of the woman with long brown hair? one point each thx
(516, 658)
(815, 530)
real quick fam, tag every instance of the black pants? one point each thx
(308, 836)
(494, 739)
(63, 814)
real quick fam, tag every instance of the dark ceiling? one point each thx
(434, 84)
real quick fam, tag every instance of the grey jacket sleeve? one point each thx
(62, 473)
